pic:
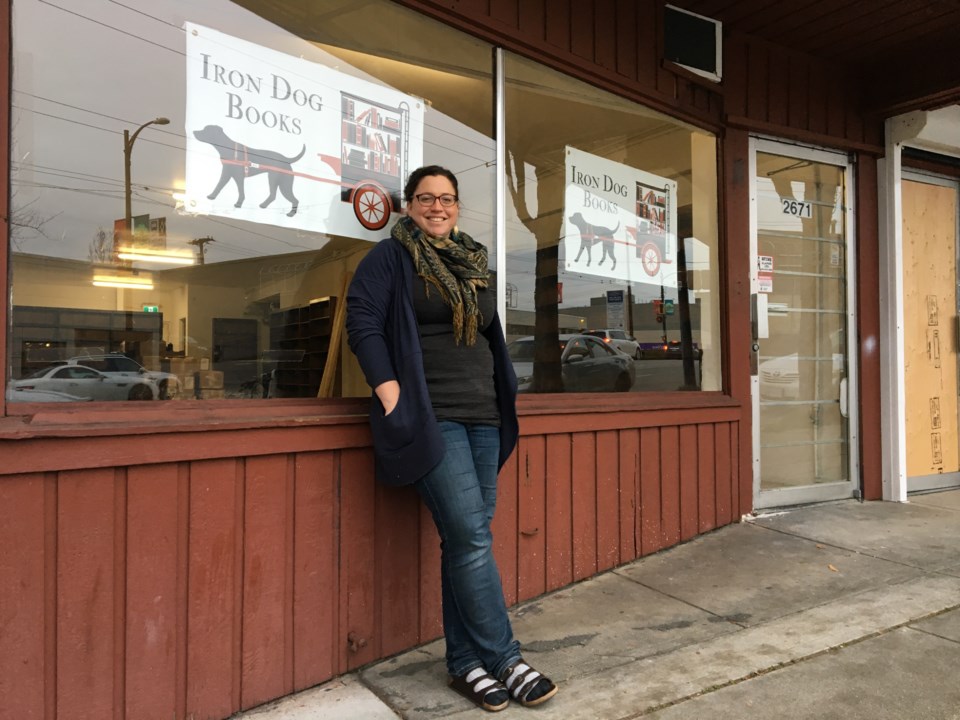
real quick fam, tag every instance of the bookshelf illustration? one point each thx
(374, 143)
(302, 332)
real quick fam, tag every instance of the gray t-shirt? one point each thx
(459, 377)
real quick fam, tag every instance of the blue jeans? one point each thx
(461, 494)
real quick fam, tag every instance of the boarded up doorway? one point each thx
(930, 333)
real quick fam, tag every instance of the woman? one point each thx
(422, 321)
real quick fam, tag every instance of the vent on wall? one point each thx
(694, 42)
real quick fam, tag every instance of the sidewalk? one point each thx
(848, 610)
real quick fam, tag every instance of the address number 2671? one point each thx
(797, 208)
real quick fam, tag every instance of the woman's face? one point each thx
(434, 219)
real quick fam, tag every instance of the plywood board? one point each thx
(930, 327)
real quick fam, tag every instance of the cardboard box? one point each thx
(210, 379)
(211, 394)
(184, 366)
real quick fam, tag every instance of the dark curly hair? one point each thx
(428, 171)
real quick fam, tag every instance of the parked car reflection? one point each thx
(44, 396)
(618, 339)
(587, 364)
(86, 383)
(119, 365)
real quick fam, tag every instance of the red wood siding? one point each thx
(617, 44)
(202, 587)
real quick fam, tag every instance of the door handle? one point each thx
(759, 317)
(844, 410)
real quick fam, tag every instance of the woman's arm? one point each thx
(369, 299)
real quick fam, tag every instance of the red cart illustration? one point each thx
(374, 153)
(650, 236)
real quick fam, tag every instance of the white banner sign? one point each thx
(272, 138)
(619, 222)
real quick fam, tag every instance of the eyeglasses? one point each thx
(428, 199)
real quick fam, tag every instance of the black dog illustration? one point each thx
(239, 162)
(591, 234)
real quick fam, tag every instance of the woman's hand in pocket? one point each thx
(389, 394)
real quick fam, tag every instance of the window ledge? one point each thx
(105, 419)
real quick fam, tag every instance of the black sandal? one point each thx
(482, 689)
(526, 685)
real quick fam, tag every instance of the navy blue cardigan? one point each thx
(382, 332)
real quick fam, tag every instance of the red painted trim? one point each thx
(868, 324)
(735, 280)
(6, 50)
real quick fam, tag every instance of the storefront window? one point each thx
(192, 185)
(612, 270)
(193, 182)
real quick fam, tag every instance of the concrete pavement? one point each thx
(846, 610)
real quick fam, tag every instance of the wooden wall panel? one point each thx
(604, 27)
(359, 634)
(267, 514)
(86, 642)
(651, 502)
(23, 597)
(215, 585)
(584, 500)
(670, 533)
(581, 30)
(431, 614)
(629, 490)
(608, 500)
(152, 619)
(214, 588)
(506, 520)
(626, 24)
(316, 577)
(689, 482)
(398, 567)
(706, 478)
(532, 532)
(559, 511)
(724, 477)
(531, 21)
(505, 11)
(558, 23)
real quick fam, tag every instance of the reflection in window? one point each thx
(611, 229)
(204, 253)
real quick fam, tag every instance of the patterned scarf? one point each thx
(456, 266)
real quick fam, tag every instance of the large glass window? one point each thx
(612, 233)
(192, 183)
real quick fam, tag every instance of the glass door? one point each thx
(931, 327)
(803, 401)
